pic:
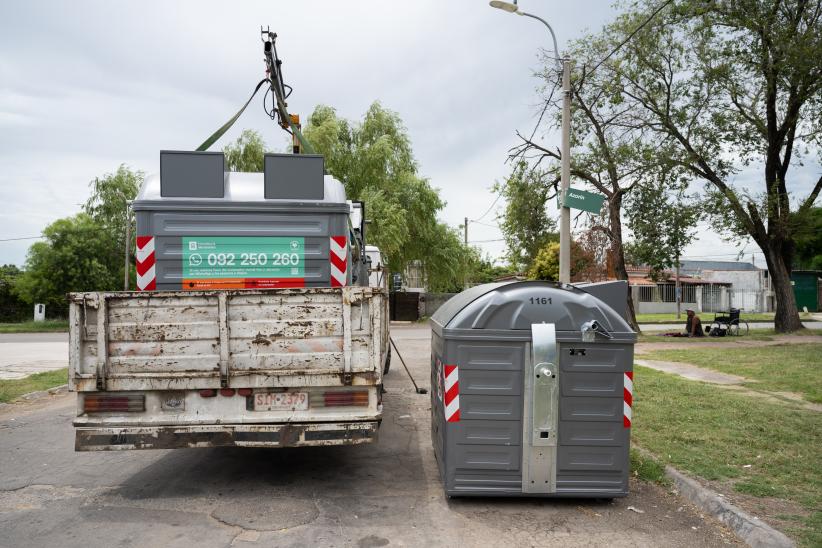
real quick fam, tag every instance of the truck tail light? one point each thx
(244, 392)
(208, 393)
(97, 403)
(227, 392)
(338, 398)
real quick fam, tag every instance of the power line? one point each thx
(486, 224)
(486, 241)
(487, 211)
(60, 233)
(22, 238)
(613, 51)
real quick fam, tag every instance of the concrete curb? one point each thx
(753, 531)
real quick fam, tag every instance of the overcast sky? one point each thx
(86, 86)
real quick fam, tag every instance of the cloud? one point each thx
(88, 85)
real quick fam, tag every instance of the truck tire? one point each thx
(387, 362)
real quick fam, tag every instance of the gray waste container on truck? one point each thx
(199, 227)
(531, 390)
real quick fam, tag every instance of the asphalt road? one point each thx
(384, 494)
(22, 354)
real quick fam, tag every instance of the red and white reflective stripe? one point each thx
(628, 393)
(338, 257)
(146, 275)
(452, 393)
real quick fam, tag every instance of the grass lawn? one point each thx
(708, 316)
(758, 449)
(753, 335)
(783, 368)
(11, 389)
(34, 327)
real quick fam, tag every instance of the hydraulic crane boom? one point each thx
(277, 87)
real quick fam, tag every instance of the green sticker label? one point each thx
(206, 257)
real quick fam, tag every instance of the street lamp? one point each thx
(564, 212)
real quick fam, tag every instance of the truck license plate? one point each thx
(279, 401)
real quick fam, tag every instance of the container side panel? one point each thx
(490, 408)
(490, 383)
(490, 357)
(483, 449)
(490, 433)
(590, 358)
(487, 457)
(605, 385)
(489, 482)
(312, 231)
(593, 442)
(437, 407)
(591, 433)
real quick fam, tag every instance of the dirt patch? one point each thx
(782, 398)
(771, 510)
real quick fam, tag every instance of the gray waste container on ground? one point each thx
(531, 390)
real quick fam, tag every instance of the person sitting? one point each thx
(693, 325)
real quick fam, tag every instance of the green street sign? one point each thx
(581, 199)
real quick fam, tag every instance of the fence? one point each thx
(703, 298)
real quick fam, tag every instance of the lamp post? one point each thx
(565, 181)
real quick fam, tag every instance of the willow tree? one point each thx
(736, 86)
(374, 159)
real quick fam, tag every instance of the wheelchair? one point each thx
(731, 324)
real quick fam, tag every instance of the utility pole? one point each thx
(127, 266)
(564, 211)
(678, 290)
(465, 263)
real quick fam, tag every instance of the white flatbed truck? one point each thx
(259, 368)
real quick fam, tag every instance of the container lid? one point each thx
(517, 305)
(241, 189)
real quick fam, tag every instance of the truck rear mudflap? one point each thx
(225, 435)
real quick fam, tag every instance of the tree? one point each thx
(483, 270)
(375, 162)
(608, 157)
(809, 240)
(662, 224)
(525, 223)
(110, 195)
(78, 254)
(12, 308)
(108, 208)
(246, 153)
(546, 264)
(735, 85)
(593, 245)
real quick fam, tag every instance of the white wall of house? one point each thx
(749, 288)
